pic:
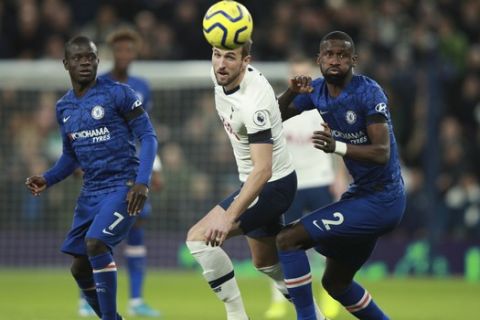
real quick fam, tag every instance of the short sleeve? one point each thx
(126, 100)
(257, 116)
(303, 102)
(376, 102)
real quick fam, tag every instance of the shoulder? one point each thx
(113, 86)
(65, 99)
(366, 82)
(256, 84)
(318, 82)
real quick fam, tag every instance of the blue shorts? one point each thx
(307, 200)
(103, 217)
(264, 216)
(348, 230)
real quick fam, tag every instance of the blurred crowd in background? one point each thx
(425, 54)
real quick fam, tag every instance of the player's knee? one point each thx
(95, 247)
(285, 240)
(194, 234)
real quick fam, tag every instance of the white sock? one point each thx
(216, 264)
(135, 302)
(277, 296)
(275, 272)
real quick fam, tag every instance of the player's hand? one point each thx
(300, 84)
(36, 184)
(218, 229)
(136, 198)
(323, 140)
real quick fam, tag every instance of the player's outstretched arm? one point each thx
(296, 85)
(36, 184)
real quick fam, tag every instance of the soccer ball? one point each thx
(227, 25)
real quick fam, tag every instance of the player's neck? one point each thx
(334, 90)
(81, 89)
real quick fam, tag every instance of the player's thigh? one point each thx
(85, 211)
(263, 250)
(263, 218)
(112, 222)
(352, 218)
(348, 230)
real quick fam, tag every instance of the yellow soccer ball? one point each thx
(227, 25)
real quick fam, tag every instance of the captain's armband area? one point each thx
(136, 112)
(264, 136)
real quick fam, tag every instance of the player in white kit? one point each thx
(248, 108)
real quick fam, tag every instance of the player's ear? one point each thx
(317, 60)
(65, 63)
(246, 60)
(354, 60)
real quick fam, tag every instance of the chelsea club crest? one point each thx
(351, 117)
(98, 112)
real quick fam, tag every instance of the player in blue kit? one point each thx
(99, 122)
(358, 128)
(125, 44)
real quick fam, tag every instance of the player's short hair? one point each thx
(124, 33)
(338, 35)
(78, 40)
(247, 48)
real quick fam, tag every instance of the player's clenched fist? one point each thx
(301, 84)
(36, 184)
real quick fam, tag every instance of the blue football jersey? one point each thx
(347, 117)
(140, 86)
(96, 133)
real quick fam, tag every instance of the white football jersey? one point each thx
(252, 108)
(314, 167)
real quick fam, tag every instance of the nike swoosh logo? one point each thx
(65, 119)
(323, 112)
(316, 225)
(107, 232)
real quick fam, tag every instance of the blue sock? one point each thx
(136, 255)
(358, 302)
(105, 275)
(87, 285)
(298, 280)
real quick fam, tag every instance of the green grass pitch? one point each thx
(50, 294)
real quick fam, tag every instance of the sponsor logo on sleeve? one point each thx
(260, 117)
(382, 108)
(136, 104)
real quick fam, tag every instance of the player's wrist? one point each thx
(340, 148)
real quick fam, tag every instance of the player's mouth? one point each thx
(222, 74)
(85, 73)
(334, 70)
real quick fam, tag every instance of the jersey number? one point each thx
(117, 221)
(327, 223)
